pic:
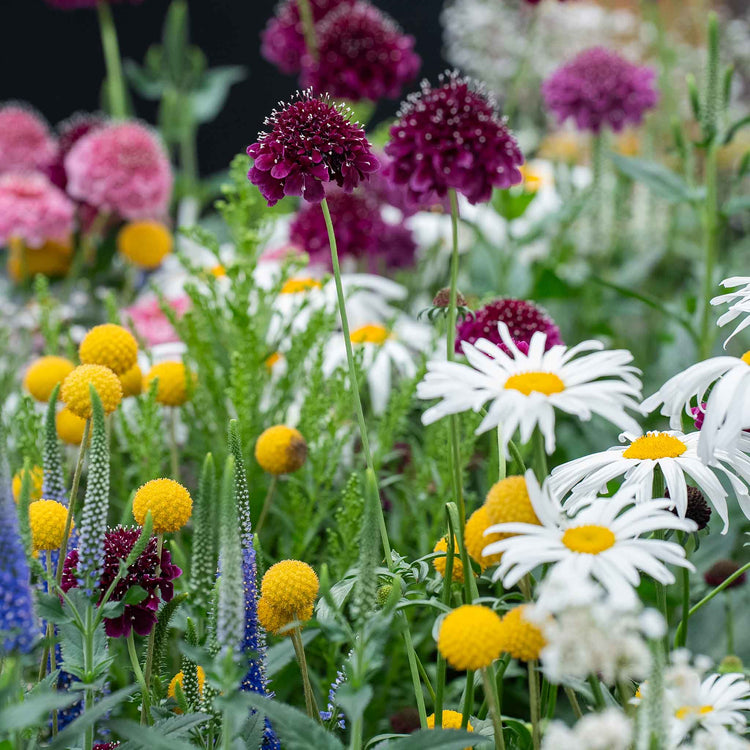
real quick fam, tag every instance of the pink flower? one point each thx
(26, 143)
(33, 210)
(71, 131)
(151, 324)
(121, 168)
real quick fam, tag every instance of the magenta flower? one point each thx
(32, 209)
(599, 88)
(283, 40)
(311, 143)
(362, 54)
(118, 543)
(26, 143)
(121, 168)
(451, 137)
(69, 132)
(523, 319)
(150, 323)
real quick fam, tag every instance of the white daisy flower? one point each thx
(674, 453)
(384, 348)
(601, 542)
(728, 406)
(739, 304)
(610, 729)
(525, 389)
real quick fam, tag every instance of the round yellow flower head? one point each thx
(75, 389)
(476, 541)
(519, 637)
(178, 680)
(470, 637)
(132, 381)
(439, 562)
(451, 720)
(290, 586)
(69, 427)
(36, 476)
(44, 374)
(110, 345)
(281, 450)
(172, 389)
(145, 243)
(169, 502)
(508, 502)
(274, 620)
(52, 259)
(47, 521)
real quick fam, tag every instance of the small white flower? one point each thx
(609, 730)
(601, 542)
(525, 389)
(739, 304)
(674, 453)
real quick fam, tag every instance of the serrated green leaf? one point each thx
(661, 181)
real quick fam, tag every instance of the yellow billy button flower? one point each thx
(439, 563)
(290, 587)
(451, 720)
(169, 502)
(172, 389)
(281, 450)
(77, 397)
(132, 381)
(110, 345)
(44, 374)
(179, 678)
(470, 637)
(372, 333)
(36, 477)
(508, 502)
(521, 638)
(655, 445)
(70, 427)
(47, 522)
(145, 243)
(295, 286)
(274, 620)
(476, 541)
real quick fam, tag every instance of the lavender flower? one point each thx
(598, 88)
(451, 137)
(311, 143)
(331, 708)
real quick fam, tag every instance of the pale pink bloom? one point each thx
(26, 143)
(150, 323)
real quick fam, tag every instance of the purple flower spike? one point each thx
(451, 137)
(598, 88)
(311, 142)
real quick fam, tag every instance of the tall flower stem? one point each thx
(534, 705)
(540, 456)
(681, 635)
(372, 477)
(266, 505)
(174, 456)
(137, 671)
(573, 700)
(468, 707)
(88, 665)
(596, 690)
(490, 692)
(308, 27)
(115, 80)
(414, 671)
(299, 650)
(145, 712)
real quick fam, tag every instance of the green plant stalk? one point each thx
(308, 28)
(88, 665)
(711, 248)
(490, 692)
(596, 690)
(534, 705)
(174, 456)
(372, 477)
(468, 707)
(50, 634)
(137, 671)
(115, 80)
(570, 694)
(299, 650)
(148, 669)
(540, 456)
(502, 465)
(414, 671)
(445, 598)
(266, 505)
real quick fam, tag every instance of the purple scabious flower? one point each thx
(118, 543)
(311, 142)
(451, 137)
(523, 319)
(283, 39)
(362, 54)
(397, 248)
(599, 88)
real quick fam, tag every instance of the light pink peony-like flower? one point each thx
(123, 169)
(26, 143)
(33, 209)
(151, 324)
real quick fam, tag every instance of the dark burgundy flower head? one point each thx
(362, 54)
(451, 137)
(523, 319)
(396, 249)
(118, 543)
(69, 132)
(720, 571)
(283, 39)
(697, 509)
(311, 142)
(600, 88)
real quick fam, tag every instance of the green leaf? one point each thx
(354, 701)
(34, 710)
(167, 729)
(437, 739)
(49, 607)
(661, 181)
(212, 93)
(736, 205)
(135, 595)
(147, 738)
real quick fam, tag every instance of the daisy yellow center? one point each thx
(655, 445)
(218, 271)
(746, 357)
(539, 382)
(295, 286)
(532, 180)
(685, 711)
(589, 539)
(370, 334)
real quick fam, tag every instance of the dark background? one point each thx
(53, 59)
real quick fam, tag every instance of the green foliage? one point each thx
(342, 536)
(203, 566)
(52, 463)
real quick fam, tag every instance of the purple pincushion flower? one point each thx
(523, 319)
(311, 142)
(151, 574)
(362, 54)
(451, 137)
(600, 88)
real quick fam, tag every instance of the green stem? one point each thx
(115, 80)
(681, 635)
(299, 649)
(540, 456)
(596, 690)
(88, 666)
(174, 456)
(502, 467)
(145, 710)
(573, 700)
(308, 28)
(490, 692)
(354, 382)
(414, 671)
(536, 718)
(468, 707)
(137, 671)
(266, 505)
(711, 247)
